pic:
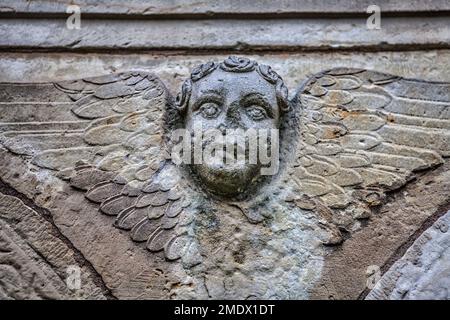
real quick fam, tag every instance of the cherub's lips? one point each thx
(227, 166)
(232, 152)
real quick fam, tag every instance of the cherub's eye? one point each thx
(256, 112)
(210, 110)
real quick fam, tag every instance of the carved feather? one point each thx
(364, 133)
(105, 136)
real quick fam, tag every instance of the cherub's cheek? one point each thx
(264, 124)
(198, 120)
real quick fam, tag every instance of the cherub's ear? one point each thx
(363, 133)
(183, 97)
(282, 95)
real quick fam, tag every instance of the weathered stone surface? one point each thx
(423, 272)
(35, 261)
(173, 69)
(386, 235)
(362, 177)
(183, 7)
(282, 258)
(204, 35)
(126, 269)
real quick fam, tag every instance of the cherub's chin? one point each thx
(227, 180)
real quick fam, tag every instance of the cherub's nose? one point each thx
(233, 118)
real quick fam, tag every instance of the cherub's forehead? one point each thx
(220, 80)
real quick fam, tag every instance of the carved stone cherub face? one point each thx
(225, 100)
(237, 94)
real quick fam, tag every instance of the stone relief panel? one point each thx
(345, 142)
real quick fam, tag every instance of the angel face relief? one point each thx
(233, 109)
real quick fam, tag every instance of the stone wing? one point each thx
(363, 134)
(105, 135)
(157, 212)
(113, 123)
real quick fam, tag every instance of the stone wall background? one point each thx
(297, 38)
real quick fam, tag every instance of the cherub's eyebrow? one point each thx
(206, 95)
(254, 94)
(257, 95)
(260, 99)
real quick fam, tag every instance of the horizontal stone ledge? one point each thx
(430, 65)
(154, 8)
(237, 35)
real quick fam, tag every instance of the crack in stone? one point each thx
(97, 278)
(401, 250)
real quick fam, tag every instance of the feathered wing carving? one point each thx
(105, 135)
(362, 134)
(157, 212)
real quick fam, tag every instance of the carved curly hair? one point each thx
(234, 64)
